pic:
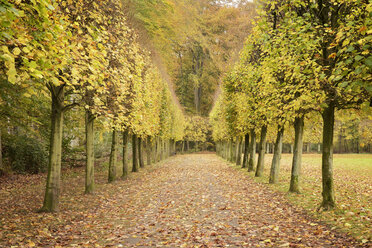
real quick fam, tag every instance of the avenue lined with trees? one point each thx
(97, 96)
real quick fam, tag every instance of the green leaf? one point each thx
(358, 57)
(344, 84)
(368, 61)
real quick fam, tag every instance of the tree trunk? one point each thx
(275, 165)
(319, 148)
(2, 170)
(148, 150)
(228, 145)
(238, 151)
(89, 147)
(154, 150)
(134, 153)
(160, 149)
(308, 147)
(51, 199)
(234, 147)
(246, 151)
(140, 153)
(125, 155)
(252, 151)
(163, 150)
(261, 152)
(291, 148)
(231, 158)
(113, 157)
(183, 147)
(327, 158)
(297, 155)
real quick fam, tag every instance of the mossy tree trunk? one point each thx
(159, 149)
(227, 151)
(148, 150)
(327, 158)
(125, 154)
(246, 151)
(134, 153)
(261, 152)
(232, 152)
(238, 150)
(140, 153)
(154, 151)
(297, 155)
(163, 150)
(275, 165)
(113, 157)
(89, 147)
(252, 151)
(2, 169)
(53, 184)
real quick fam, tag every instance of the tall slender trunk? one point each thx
(2, 170)
(275, 165)
(234, 147)
(163, 150)
(297, 155)
(246, 151)
(238, 150)
(140, 153)
(231, 158)
(148, 150)
(308, 147)
(125, 154)
(327, 158)
(228, 153)
(261, 152)
(89, 147)
(291, 148)
(154, 150)
(113, 157)
(252, 151)
(319, 150)
(53, 184)
(183, 147)
(134, 153)
(159, 149)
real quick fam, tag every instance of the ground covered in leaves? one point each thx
(353, 190)
(186, 201)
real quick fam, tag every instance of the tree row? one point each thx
(84, 54)
(301, 58)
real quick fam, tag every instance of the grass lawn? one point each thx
(353, 186)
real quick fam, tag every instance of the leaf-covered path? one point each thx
(188, 201)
